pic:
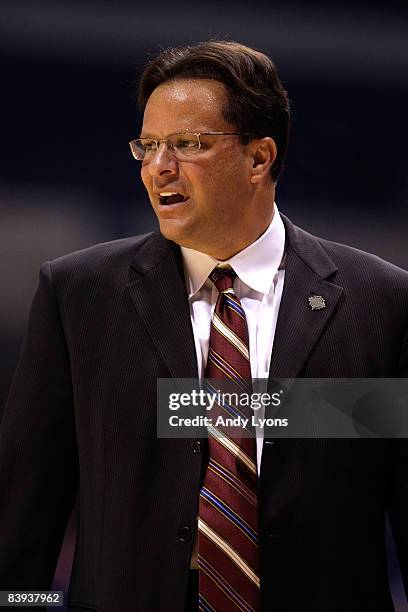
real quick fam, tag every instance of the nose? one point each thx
(162, 162)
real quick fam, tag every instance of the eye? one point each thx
(148, 145)
(185, 143)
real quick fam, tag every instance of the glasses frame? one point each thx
(159, 141)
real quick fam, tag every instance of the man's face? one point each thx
(216, 181)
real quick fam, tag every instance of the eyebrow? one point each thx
(168, 135)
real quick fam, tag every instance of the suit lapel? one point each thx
(308, 269)
(298, 328)
(157, 289)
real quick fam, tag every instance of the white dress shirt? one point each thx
(259, 286)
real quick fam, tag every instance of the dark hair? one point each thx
(257, 102)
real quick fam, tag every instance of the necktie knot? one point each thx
(223, 278)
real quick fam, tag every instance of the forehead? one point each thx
(185, 105)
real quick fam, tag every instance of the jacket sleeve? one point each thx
(398, 494)
(38, 453)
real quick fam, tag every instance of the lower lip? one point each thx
(171, 208)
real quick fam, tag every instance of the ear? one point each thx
(264, 153)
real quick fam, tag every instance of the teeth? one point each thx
(166, 194)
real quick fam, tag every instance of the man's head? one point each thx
(228, 179)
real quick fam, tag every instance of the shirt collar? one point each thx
(256, 265)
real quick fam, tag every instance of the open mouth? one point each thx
(171, 197)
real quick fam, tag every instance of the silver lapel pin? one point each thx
(317, 302)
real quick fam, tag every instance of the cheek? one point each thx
(207, 179)
(217, 181)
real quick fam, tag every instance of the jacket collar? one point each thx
(158, 292)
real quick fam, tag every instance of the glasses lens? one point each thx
(184, 144)
(141, 147)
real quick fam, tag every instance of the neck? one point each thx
(229, 250)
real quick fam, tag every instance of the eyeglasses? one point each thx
(182, 145)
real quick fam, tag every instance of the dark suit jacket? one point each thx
(109, 320)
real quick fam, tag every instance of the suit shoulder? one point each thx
(342, 262)
(99, 257)
(102, 267)
(364, 266)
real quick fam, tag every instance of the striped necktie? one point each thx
(228, 554)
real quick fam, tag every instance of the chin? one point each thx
(181, 237)
(173, 232)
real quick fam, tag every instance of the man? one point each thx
(108, 321)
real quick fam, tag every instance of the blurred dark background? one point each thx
(68, 73)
